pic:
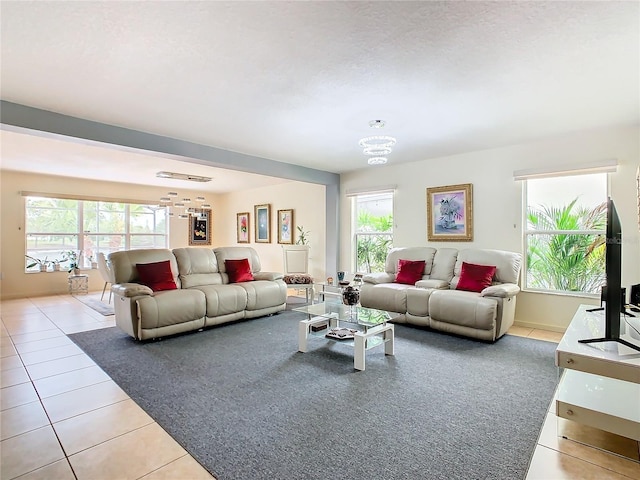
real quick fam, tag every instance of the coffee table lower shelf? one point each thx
(362, 341)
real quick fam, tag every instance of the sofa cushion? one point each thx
(507, 263)
(409, 253)
(238, 270)
(171, 307)
(410, 271)
(156, 275)
(475, 278)
(197, 266)
(223, 299)
(463, 308)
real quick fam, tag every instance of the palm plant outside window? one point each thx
(373, 230)
(565, 233)
(55, 226)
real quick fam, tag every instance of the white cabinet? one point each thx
(600, 384)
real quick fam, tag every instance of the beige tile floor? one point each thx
(62, 417)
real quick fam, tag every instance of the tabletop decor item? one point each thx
(350, 296)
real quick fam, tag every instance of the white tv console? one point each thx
(600, 383)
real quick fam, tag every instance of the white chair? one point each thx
(106, 273)
(296, 269)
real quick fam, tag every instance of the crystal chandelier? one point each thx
(183, 208)
(377, 146)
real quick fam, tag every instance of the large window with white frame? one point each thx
(373, 230)
(565, 233)
(56, 226)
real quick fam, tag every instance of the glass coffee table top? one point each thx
(367, 317)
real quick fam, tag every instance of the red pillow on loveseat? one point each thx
(157, 275)
(410, 271)
(475, 278)
(238, 270)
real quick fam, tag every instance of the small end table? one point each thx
(78, 284)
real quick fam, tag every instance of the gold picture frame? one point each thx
(285, 227)
(243, 227)
(450, 213)
(200, 229)
(263, 223)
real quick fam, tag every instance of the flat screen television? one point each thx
(613, 295)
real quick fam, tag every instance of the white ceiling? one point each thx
(298, 82)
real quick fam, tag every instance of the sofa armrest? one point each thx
(131, 289)
(268, 276)
(378, 277)
(504, 290)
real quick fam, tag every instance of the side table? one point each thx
(78, 284)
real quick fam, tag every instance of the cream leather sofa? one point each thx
(204, 296)
(434, 301)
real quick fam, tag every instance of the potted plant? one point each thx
(72, 257)
(56, 264)
(42, 264)
(94, 263)
(302, 236)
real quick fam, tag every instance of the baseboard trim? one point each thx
(540, 326)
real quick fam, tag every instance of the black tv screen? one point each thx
(613, 255)
(614, 294)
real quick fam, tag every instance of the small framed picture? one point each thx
(242, 232)
(200, 229)
(285, 226)
(263, 223)
(450, 213)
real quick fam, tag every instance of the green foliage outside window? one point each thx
(373, 241)
(560, 259)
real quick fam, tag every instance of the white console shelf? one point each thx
(600, 385)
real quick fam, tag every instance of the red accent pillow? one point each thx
(475, 278)
(410, 271)
(238, 270)
(157, 275)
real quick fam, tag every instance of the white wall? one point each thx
(307, 201)
(497, 202)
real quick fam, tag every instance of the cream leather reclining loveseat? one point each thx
(434, 301)
(203, 297)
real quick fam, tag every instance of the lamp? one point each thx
(185, 210)
(377, 146)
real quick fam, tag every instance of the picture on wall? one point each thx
(200, 229)
(263, 223)
(285, 226)
(450, 213)
(242, 229)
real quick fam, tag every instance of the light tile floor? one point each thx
(62, 417)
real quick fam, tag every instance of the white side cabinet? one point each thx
(600, 382)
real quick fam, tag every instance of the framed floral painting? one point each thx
(263, 223)
(285, 226)
(200, 229)
(242, 232)
(450, 213)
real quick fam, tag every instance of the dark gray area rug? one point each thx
(247, 405)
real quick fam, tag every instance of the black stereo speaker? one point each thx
(634, 298)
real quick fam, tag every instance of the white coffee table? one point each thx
(372, 327)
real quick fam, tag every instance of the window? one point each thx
(373, 227)
(565, 233)
(55, 226)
